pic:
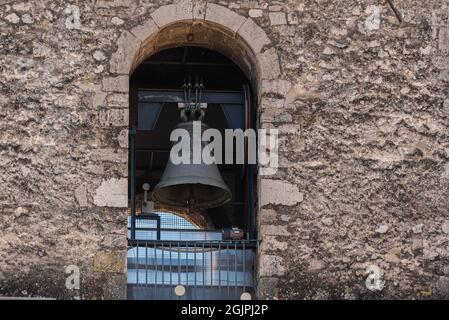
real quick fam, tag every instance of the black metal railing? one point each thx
(208, 270)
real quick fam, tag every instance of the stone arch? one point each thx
(197, 23)
(212, 26)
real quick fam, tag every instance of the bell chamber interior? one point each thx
(155, 92)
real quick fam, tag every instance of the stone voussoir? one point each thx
(145, 30)
(224, 16)
(165, 15)
(122, 60)
(254, 35)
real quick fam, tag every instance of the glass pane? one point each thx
(147, 115)
(235, 115)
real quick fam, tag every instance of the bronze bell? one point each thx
(193, 186)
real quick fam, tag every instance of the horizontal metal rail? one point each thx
(177, 230)
(248, 244)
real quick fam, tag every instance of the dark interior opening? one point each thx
(156, 89)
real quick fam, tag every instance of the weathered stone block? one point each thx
(122, 60)
(123, 138)
(271, 243)
(275, 116)
(443, 39)
(279, 192)
(372, 20)
(117, 21)
(99, 55)
(116, 84)
(443, 287)
(274, 230)
(292, 17)
(182, 10)
(277, 86)
(145, 30)
(199, 9)
(267, 216)
(269, 64)
(445, 227)
(269, 103)
(224, 16)
(81, 196)
(12, 18)
(106, 261)
(255, 13)
(271, 265)
(116, 156)
(301, 93)
(277, 18)
(118, 100)
(73, 20)
(275, 8)
(115, 286)
(315, 266)
(254, 35)
(113, 117)
(19, 211)
(267, 288)
(112, 3)
(441, 62)
(22, 6)
(417, 245)
(382, 229)
(112, 193)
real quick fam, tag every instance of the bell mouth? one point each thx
(177, 194)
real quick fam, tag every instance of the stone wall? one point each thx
(360, 99)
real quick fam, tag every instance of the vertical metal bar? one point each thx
(158, 226)
(155, 268)
(211, 270)
(171, 275)
(235, 269)
(137, 265)
(195, 268)
(186, 268)
(146, 267)
(179, 263)
(163, 270)
(243, 266)
(219, 270)
(132, 135)
(203, 270)
(250, 191)
(228, 269)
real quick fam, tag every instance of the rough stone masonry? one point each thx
(361, 101)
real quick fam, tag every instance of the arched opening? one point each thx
(209, 251)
